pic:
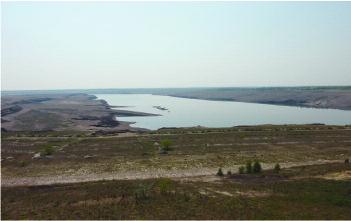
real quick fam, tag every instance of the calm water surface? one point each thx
(183, 112)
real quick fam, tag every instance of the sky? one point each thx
(73, 45)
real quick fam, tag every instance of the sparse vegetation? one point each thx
(307, 198)
(268, 195)
(142, 192)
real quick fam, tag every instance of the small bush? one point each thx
(47, 150)
(22, 163)
(277, 168)
(165, 185)
(347, 161)
(166, 145)
(229, 173)
(241, 169)
(257, 168)
(249, 167)
(220, 172)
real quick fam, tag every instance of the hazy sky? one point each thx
(167, 44)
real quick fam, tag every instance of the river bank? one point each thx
(62, 112)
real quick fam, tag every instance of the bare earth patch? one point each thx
(225, 193)
(344, 175)
(213, 192)
(253, 193)
(97, 202)
(191, 174)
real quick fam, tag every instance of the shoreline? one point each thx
(63, 112)
(79, 112)
(323, 97)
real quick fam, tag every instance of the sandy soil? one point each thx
(196, 174)
(344, 175)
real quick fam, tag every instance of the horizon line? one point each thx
(128, 88)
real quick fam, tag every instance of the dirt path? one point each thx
(193, 173)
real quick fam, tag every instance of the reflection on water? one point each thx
(182, 112)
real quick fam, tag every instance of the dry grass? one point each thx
(195, 151)
(288, 198)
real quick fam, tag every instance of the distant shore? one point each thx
(331, 97)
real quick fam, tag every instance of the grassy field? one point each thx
(191, 149)
(115, 176)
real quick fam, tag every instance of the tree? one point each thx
(277, 168)
(249, 167)
(166, 145)
(220, 172)
(257, 168)
(347, 161)
(229, 173)
(47, 150)
(241, 169)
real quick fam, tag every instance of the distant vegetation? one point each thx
(249, 168)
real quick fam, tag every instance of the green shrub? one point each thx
(165, 185)
(22, 163)
(257, 168)
(47, 150)
(276, 168)
(166, 145)
(220, 172)
(249, 167)
(241, 169)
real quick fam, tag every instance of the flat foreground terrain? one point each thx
(81, 175)
(309, 192)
